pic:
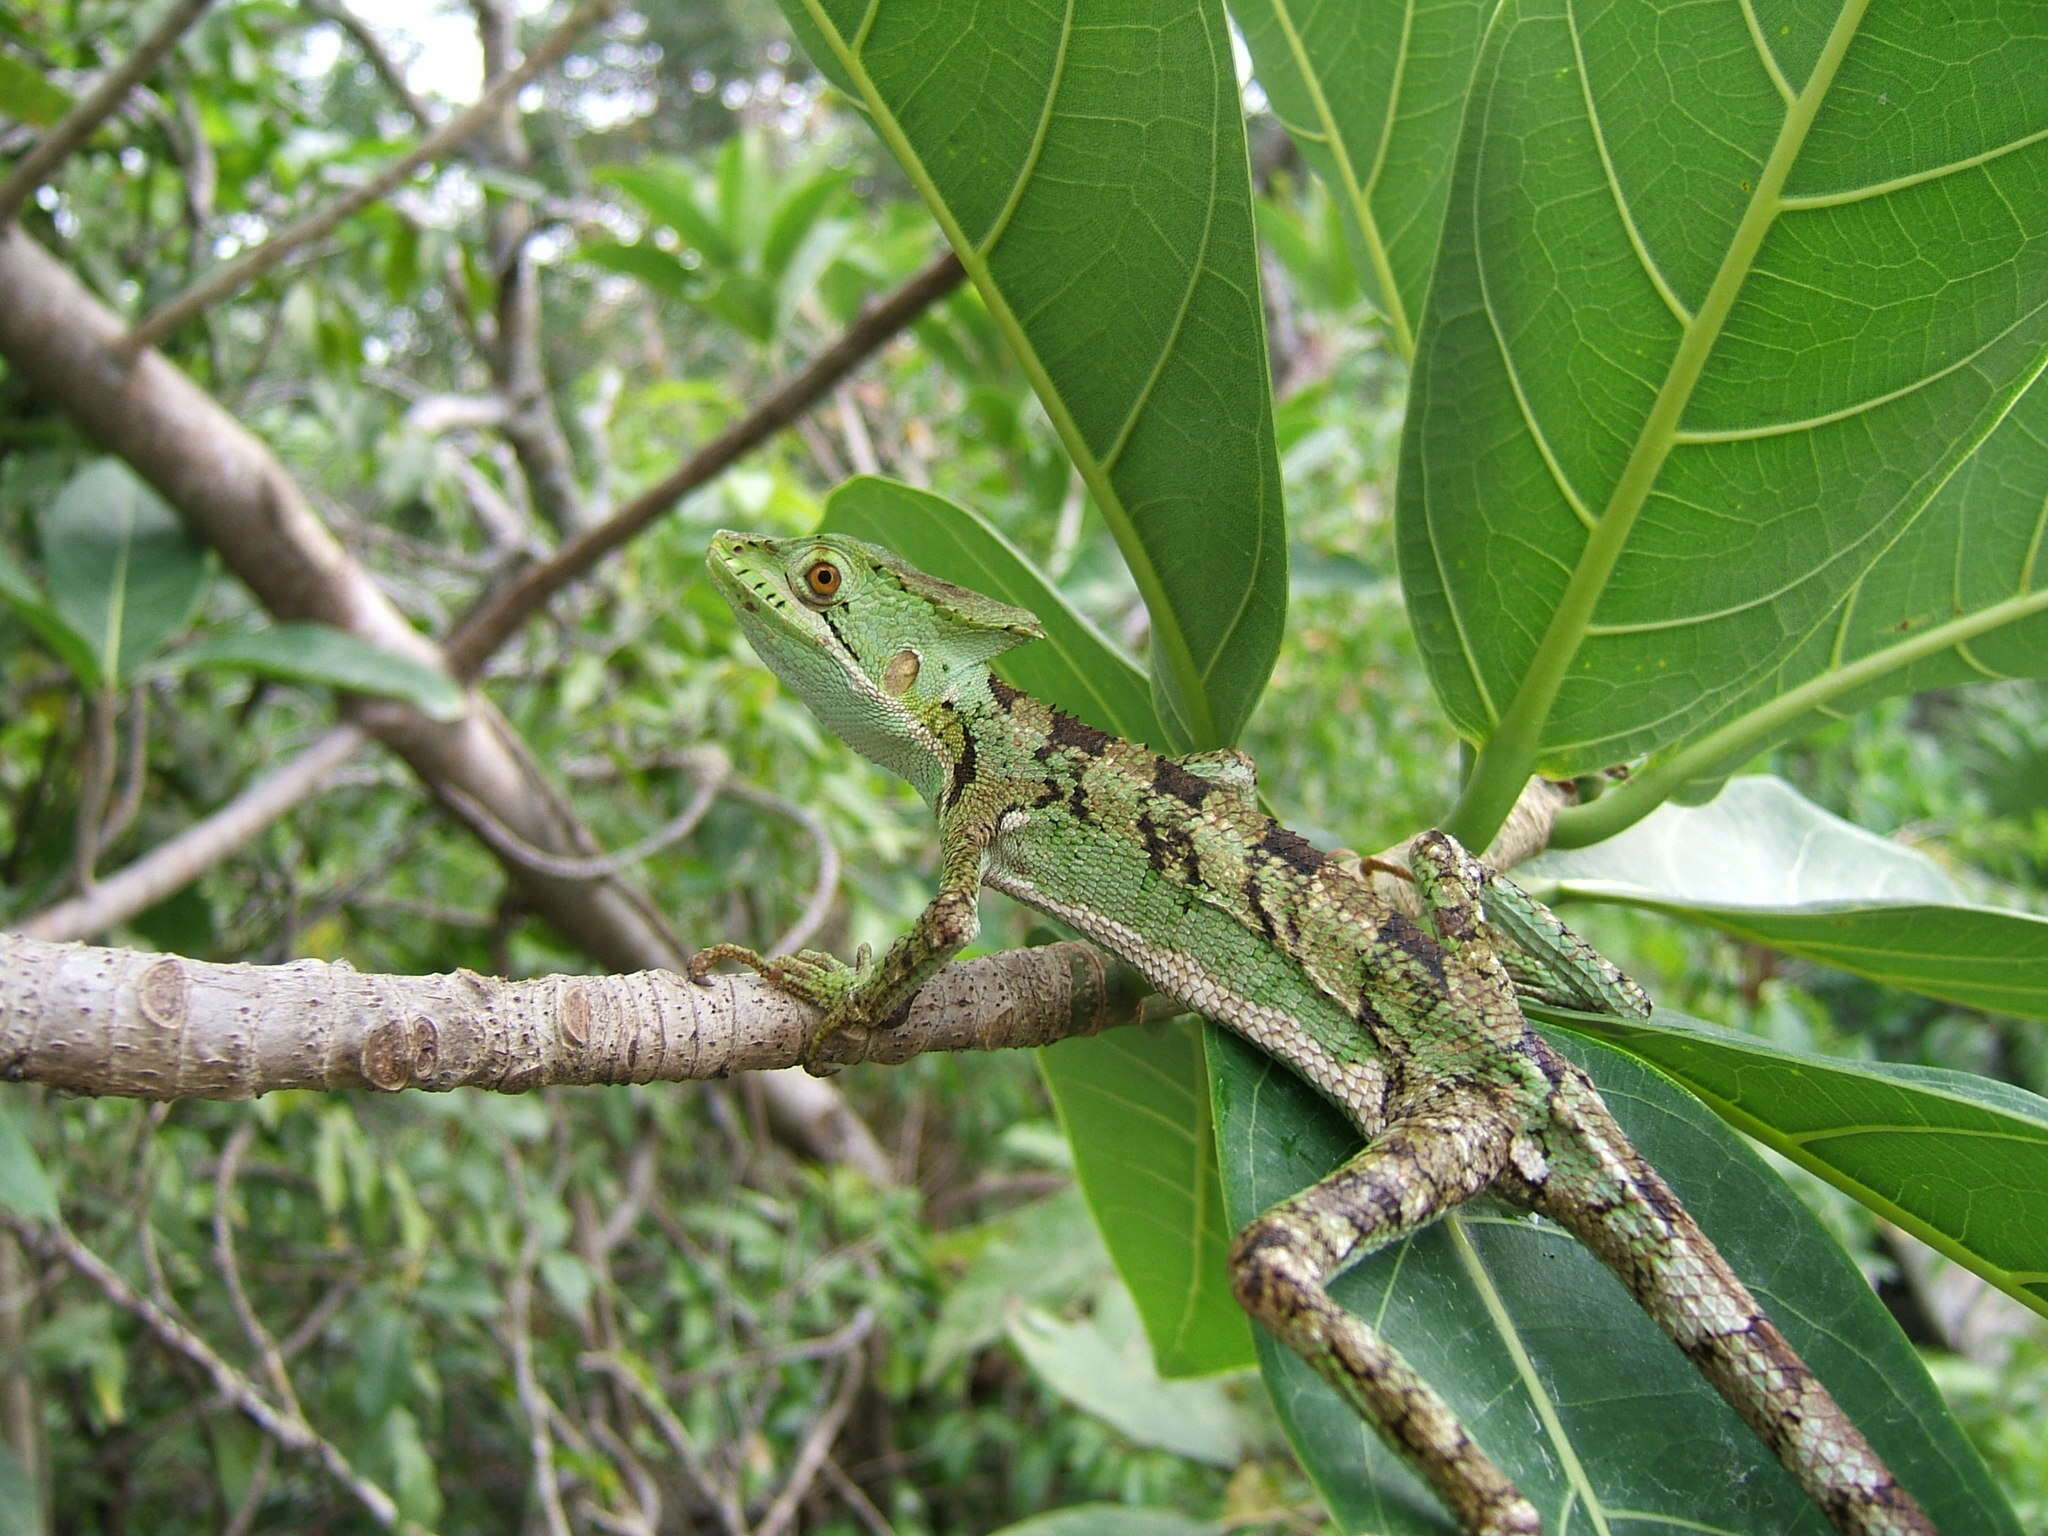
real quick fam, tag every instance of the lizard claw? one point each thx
(698, 967)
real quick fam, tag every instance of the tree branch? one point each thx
(233, 494)
(154, 1026)
(230, 276)
(35, 167)
(493, 621)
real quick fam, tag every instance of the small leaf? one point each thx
(320, 653)
(25, 94)
(641, 259)
(20, 593)
(1101, 1364)
(667, 192)
(1767, 865)
(25, 1190)
(121, 568)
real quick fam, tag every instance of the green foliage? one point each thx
(1822, 478)
(1626, 1426)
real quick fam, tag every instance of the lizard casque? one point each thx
(1414, 1032)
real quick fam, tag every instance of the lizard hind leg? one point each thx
(1595, 1185)
(1423, 1164)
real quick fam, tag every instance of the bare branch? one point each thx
(817, 1446)
(287, 1429)
(35, 167)
(230, 276)
(385, 67)
(114, 1021)
(205, 843)
(232, 492)
(518, 1326)
(825, 888)
(709, 766)
(230, 1268)
(494, 620)
(672, 1430)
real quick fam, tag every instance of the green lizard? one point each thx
(1415, 1033)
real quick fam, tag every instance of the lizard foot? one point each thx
(810, 976)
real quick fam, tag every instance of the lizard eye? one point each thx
(822, 580)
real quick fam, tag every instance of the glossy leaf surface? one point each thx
(1718, 411)
(1090, 171)
(1599, 1419)
(1767, 865)
(1959, 1161)
(1372, 94)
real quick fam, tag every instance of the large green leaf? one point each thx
(1567, 1384)
(1090, 172)
(1714, 420)
(1372, 94)
(122, 571)
(1134, 1103)
(1762, 862)
(1958, 1160)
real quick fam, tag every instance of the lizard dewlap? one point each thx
(1414, 1030)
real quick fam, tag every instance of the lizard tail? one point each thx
(1613, 1201)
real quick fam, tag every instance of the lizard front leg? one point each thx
(1424, 1163)
(870, 995)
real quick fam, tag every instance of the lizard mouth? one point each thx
(739, 581)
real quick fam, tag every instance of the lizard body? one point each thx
(1414, 1032)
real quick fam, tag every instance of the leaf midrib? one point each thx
(1166, 627)
(1504, 763)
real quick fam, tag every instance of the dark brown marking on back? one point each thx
(963, 769)
(1293, 849)
(1255, 898)
(1005, 696)
(1079, 735)
(1169, 778)
(1400, 931)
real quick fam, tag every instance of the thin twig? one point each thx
(288, 1430)
(385, 67)
(711, 771)
(857, 1499)
(35, 167)
(823, 889)
(824, 1347)
(722, 1501)
(489, 624)
(533, 1401)
(96, 783)
(817, 1446)
(180, 860)
(231, 1270)
(231, 276)
(134, 769)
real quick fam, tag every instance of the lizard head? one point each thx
(873, 646)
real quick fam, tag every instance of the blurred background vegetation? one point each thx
(642, 1277)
